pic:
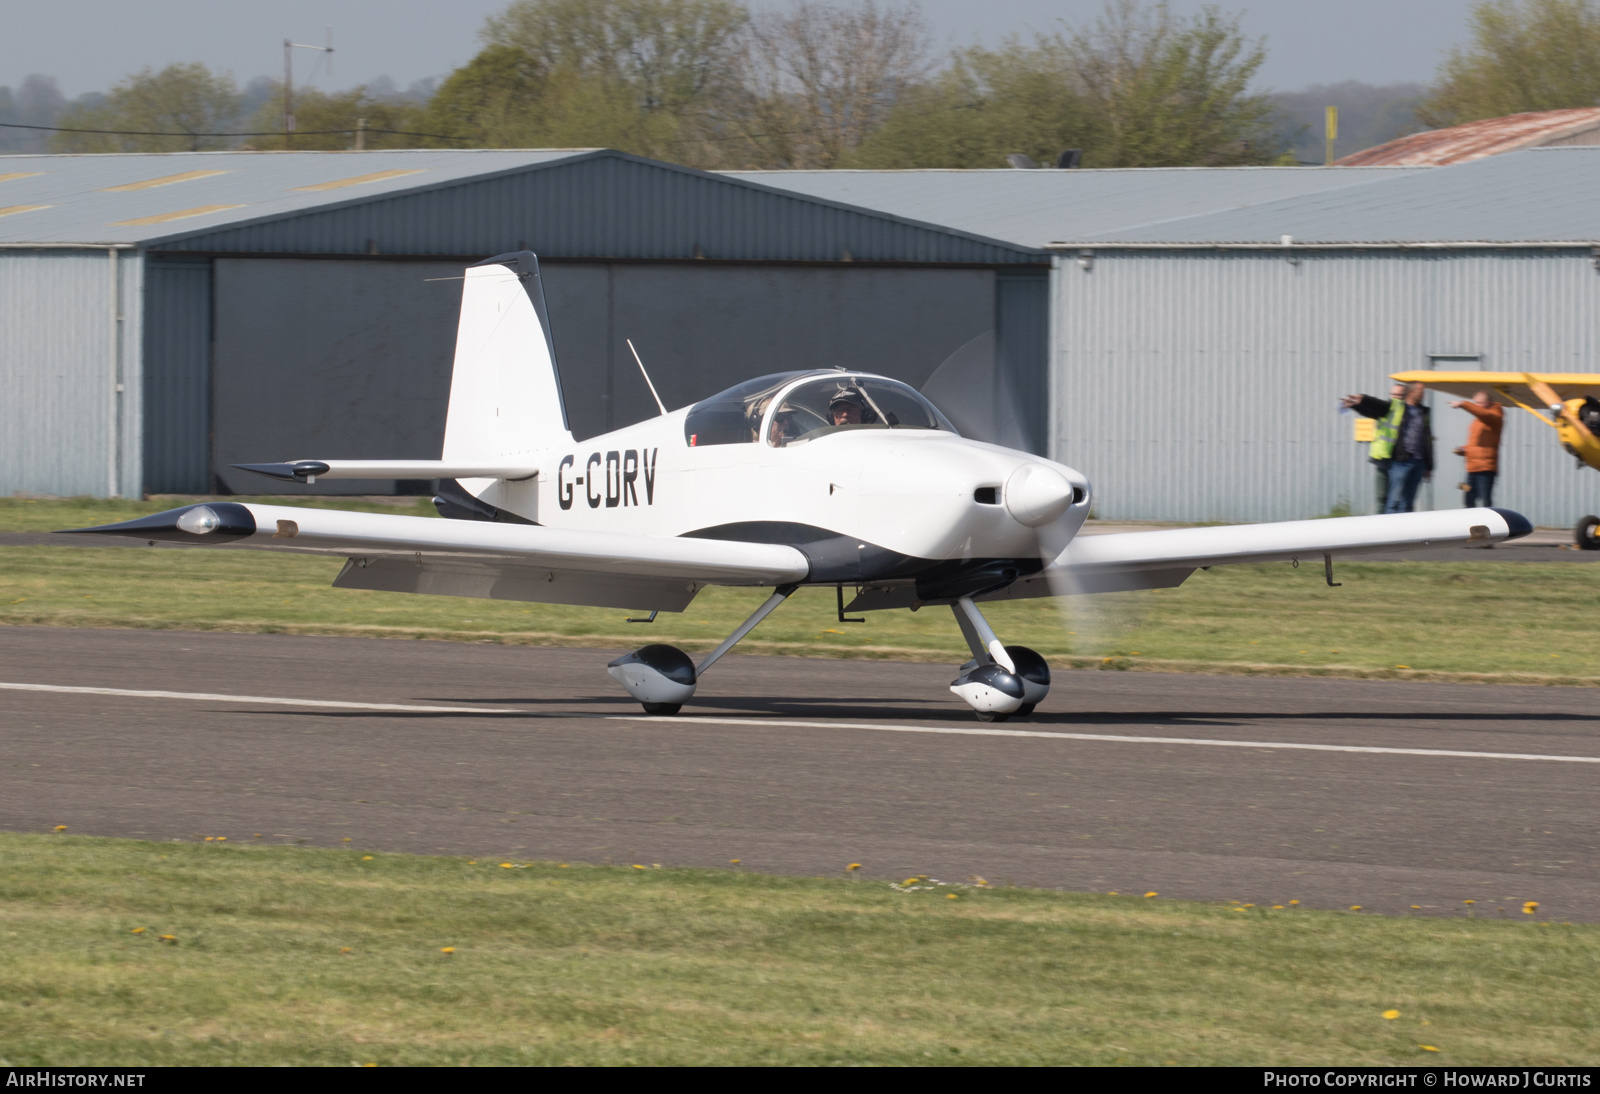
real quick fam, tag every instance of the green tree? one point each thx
(671, 53)
(1523, 56)
(1138, 88)
(1169, 92)
(323, 121)
(984, 106)
(639, 75)
(182, 98)
(476, 99)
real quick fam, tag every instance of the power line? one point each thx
(267, 133)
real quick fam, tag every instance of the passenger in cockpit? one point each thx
(783, 430)
(754, 413)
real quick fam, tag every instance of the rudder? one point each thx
(505, 392)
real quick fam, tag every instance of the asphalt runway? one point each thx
(1259, 790)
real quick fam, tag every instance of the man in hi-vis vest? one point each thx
(1403, 446)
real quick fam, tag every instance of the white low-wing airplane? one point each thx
(822, 477)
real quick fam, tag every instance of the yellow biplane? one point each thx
(1568, 402)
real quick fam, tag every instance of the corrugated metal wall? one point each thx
(1022, 353)
(64, 429)
(177, 376)
(1204, 385)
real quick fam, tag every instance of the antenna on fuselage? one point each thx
(646, 375)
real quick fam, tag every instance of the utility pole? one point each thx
(1331, 128)
(288, 82)
(361, 134)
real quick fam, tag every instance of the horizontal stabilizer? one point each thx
(312, 470)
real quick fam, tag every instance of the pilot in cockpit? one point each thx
(848, 407)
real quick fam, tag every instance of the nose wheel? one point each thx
(1000, 681)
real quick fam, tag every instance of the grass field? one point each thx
(128, 953)
(1527, 622)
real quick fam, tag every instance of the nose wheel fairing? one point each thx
(663, 678)
(1000, 680)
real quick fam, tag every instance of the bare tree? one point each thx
(817, 78)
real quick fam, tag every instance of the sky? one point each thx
(87, 45)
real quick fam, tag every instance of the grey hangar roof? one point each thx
(607, 204)
(1034, 208)
(1536, 197)
(569, 203)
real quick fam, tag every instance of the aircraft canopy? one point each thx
(735, 416)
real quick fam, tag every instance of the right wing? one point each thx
(481, 559)
(1162, 559)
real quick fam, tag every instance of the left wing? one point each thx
(482, 559)
(1163, 559)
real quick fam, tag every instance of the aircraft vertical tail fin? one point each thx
(505, 392)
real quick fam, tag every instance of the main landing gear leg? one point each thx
(1000, 680)
(663, 678)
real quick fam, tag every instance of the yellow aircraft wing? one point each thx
(1508, 388)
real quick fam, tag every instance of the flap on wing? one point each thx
(1103, 581)
(1087, 557)
(516, 581)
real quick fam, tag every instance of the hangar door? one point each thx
(331, 359)
(350, 358)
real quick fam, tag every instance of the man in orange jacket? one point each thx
(1482, 449)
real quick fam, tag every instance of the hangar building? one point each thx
(1181, 335)
(165, 316)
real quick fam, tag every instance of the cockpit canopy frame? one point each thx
(789, 408)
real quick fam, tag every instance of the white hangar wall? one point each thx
(1203, 384)
(70, 390)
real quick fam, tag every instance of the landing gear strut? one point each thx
(1000, 680)
(663, 678)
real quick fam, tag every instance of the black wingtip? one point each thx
(1518, 523)
(299, 471)
(220, 521)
